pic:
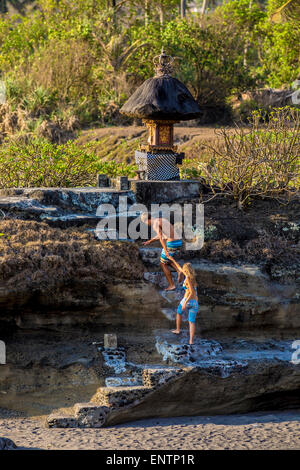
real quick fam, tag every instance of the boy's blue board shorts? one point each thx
(192, 309)
(174, 248)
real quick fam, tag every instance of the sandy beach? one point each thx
(264, 431)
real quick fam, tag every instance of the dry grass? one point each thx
(58, 130)
(114, 144)
(12, 121)
(119, 143)
(36, 256)
(63, 66)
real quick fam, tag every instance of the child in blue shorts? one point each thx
(189, 301)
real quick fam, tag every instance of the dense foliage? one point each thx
(41, 163)
(65, 65)
(65, 60)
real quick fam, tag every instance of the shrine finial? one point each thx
(163, 64)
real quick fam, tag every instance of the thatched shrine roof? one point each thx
(162, 97)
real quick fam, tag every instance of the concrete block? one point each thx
(159, 192)
(121, 183)
(103, 181)
(110, 341)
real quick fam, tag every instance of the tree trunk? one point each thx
(182, 8)
(246, 47)
(114, 4)
(147, 12)
(161, 14)
(247, 41)
(204, 6)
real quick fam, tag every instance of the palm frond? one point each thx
(289, 11)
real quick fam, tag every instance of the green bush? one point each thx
(39, 163)
(253, 161)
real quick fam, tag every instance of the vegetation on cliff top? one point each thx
(37, 162)
(261, 160)
(68, 64)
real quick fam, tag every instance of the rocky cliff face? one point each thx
(237, 297)
(233, 296)
(61, 289)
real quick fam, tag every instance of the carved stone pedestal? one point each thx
(158, 166)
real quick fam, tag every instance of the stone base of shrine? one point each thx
(158, 166)
(147, 192)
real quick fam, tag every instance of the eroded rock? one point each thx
(56, 420)
(7, 444)
(90, 415)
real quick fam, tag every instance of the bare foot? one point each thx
(176, 332)
(171, 288)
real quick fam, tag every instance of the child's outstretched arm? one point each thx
(151, 240)
(159, 236)
(175, 262)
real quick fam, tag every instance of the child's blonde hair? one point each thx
(189, 272)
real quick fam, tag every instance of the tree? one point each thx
(290, 11)
(204, 6)
(212, 60)
(160, 11)
(117, 51)
(247, 15)
(147, 12)
(281, 42)
(3, 6)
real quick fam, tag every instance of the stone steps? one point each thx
(158, 376)
(109, 400)
(27, 206)
(62, 420)
(119, 396)
(30, 209)
(150, 255)
(256, 366)
(61, 207)
(123, 381)
(70, 220)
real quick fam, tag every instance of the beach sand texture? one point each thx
(268, 430)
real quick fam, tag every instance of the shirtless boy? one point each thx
(171, 245)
